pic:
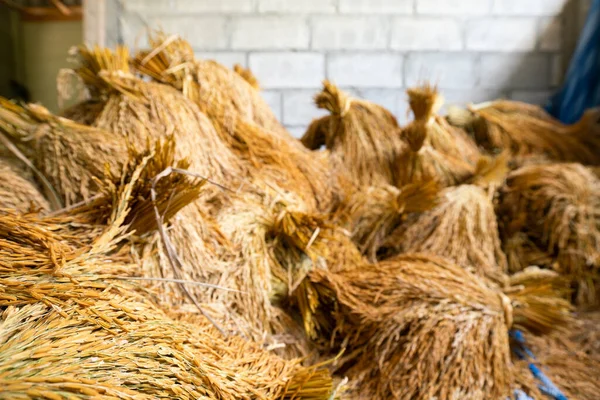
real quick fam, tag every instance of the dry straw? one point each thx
(526, 129)
(418, 326)
(363, 138)
(372, 214)
(224, 95)
(556, 207)
(242, 120)
(69, 155)
(300, 243)
(462, 227)
(72, 326)
(145, 112)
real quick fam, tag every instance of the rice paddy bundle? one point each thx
(69, 312)
(224, 95)
(17, 191)
(430, 129)
(69, 155)
(556, 206)
(145, 112)
(462, 227)
(376, 211)
(107, 340)
(300, 243)
(362, 137)
(419, 326)
(525, 129)
(433, 150)
(241, 118)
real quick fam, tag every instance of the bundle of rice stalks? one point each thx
(224, 95)
(17, 191)
(462, 228)
(300, 243)
(418, 326)
(127, 347)
(556, 207)
(242, 119)
(73, 326)
(69, 155)
(145, 112)
(363, 138)
(430, 129)
(373, 213)
(526, 129)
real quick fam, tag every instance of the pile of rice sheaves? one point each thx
(168, 238)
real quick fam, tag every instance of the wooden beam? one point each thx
(61, 7)
(43, 14)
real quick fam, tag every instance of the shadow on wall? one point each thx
(535, 76)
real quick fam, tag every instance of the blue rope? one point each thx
(524, 353)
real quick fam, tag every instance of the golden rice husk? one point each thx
(462, 228)
(362, 137)
(69, 155)
(556, 207)
(242, 120)
(429, 164)
(300, 243)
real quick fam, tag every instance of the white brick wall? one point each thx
(475, 50)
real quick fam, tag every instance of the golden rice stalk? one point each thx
(372, 214)
(525, 129)
(17, 191)
(300, 243)
(69, 155)
(419, 326)
(430, 129)
(363, 138)
(63, 303)
(241, 118)
(556, 206)
(148, 111)
(462, 228)
(281, 163)
(247, 75)
(224, 95)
